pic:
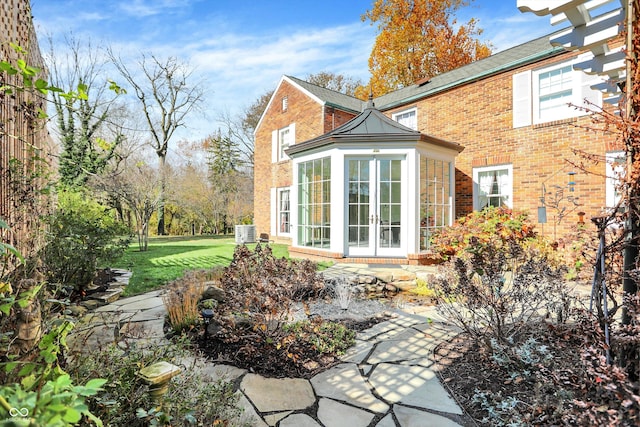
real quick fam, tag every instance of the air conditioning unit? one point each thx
(245, 234)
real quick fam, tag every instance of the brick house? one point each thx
(495, 132)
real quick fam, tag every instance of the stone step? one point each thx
(108, 296)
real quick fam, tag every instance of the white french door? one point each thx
(374, 206)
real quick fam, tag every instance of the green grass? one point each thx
(169, 257)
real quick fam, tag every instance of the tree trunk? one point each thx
(163, 159)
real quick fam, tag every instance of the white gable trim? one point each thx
(291, 82)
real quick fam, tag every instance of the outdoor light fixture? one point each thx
(207, 315)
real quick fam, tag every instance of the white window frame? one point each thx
(278, 145)
(280, 211)
(508, 185)
(615, 170)
(284, 141)
(398, 117)
(561, 90)
(526, 94)
(285, 103)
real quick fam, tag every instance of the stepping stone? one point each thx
(148, 315)
(409, 417)
(299, 420)
(358, 353)
(344, 383)
(387, 422)
(412, 385)
(249, 415)
(144, 304)
(407, 320)
(277, 394)
(149, 329)
(408, 345)
(273, 419)
(211, 371)
(403, 275)
(335, 414)
(381, 331)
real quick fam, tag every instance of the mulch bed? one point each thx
(274, 362)
(465, 368)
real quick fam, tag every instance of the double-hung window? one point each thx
(408, 118)
(284, 211)
(282, 139)
(493, 186)
(543, 95)
(555, 91)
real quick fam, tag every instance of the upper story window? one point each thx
(493, 186)
(409, 118)
(543, 95)
(285, 103)
(555, 91)
(282, 139)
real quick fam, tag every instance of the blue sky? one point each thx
(242, 48)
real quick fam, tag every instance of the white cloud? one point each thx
(146, 8)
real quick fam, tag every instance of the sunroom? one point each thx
(371, 191)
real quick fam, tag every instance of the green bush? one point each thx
(37, 391)
(82, 234)
(57, 403)
(193, 398)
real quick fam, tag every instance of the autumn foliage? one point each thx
(419, 39)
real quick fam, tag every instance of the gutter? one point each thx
(342, 107)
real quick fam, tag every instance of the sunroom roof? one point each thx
(370, 126)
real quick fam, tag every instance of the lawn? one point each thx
(169, 257)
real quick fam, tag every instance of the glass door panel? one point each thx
(389, 205)
(374, 213)
(359, 206)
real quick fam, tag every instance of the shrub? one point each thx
(501, 276)
(193, 398)
(255, 324)
(423, 289)
(181, 301)
(57, 403)
(498, 227)
(81, 234)
(319, 336)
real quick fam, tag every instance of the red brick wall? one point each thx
(311, 121)
(479, 117)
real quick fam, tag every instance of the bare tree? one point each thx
(78, 68)
(337, 82)
(138, 185)
(166, 98)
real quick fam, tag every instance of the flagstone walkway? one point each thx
(385, 380)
